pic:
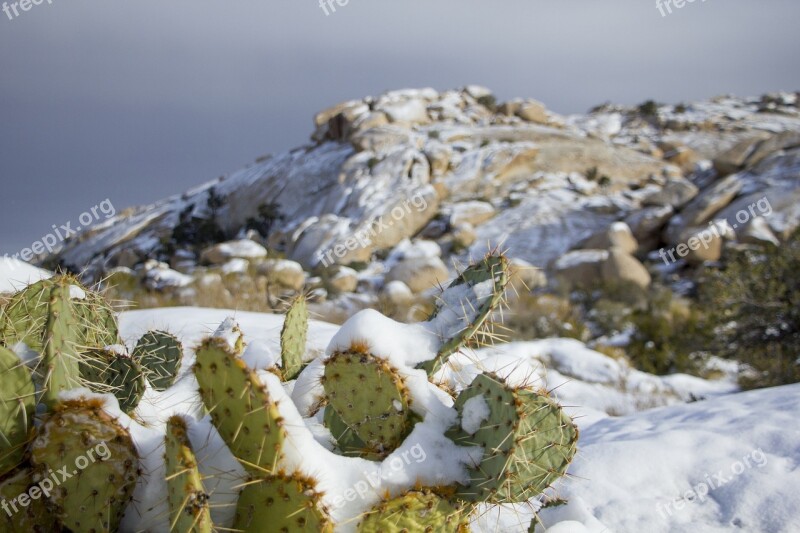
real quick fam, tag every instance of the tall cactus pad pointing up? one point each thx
(463, 308)
(17, 406)
(281, 503)
(415, 512)
(528, 441)
(240, 407)
(370, 398)
(188, 501)
(33, 518)
(26, 315)
(160, 355)
(59, 368)
(293, 338)
(100, 461)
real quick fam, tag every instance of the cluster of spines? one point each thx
(188, 500)
(293, 338)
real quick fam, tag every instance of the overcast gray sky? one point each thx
(137, 100)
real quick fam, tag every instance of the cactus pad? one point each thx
(160, 355)
(370, 398)
(293, 338)
(281, 503)
(465, 305)
(94, 461)
(33, 518)
(104, 372)
(415, 512)
(17, 406)
(240, 407)
(59, 369)
(528, 442)
(188, 501)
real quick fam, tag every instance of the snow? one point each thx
(16, 274)
(717, 465)
(476, 410)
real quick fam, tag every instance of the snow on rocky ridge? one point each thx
(465, 172)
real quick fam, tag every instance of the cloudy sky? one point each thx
(137, 100)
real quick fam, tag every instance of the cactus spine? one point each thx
(293, 338)
(96, 461)
(17, 406)
(528, 441)
(159, 354)
(188, 501)
(240, 407)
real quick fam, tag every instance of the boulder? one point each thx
(419, 273)
(621, 266)
(473, 212)
(407, 112)
(676, 193)
(282, 272)
(680, 155)
(464, 236)
(617, 234)
(221, 253)
(344, 279)
(580, 268)
(707, 203)
(524, 277)
(758, 232)
(646, 225)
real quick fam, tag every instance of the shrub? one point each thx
(754, 303)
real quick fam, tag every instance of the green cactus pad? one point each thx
(415, 512)
(25, 316)
(293, 338)
(349, 443)
(370, 398)
(35, 517)
(188, 501)
(281, 503)
(106, 372)
(240, 407)
(59, 369)
(160, 355)
(528, 442)
(17, 406)
(465, 305)
(94, 461)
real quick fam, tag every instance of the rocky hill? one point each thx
(404, 185)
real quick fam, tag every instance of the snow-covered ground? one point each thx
(724, 463)
(16, 274)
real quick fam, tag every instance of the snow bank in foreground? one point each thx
(725, 464)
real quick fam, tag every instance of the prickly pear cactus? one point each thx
(59, 368)
(349, 443)
(464, 307)
(59, 319)
(25, 316)
(188, 501)
(92, 462)
(105, 371)
(17, 406)
(159, 354)
(370, 398)
(415, 512)
(281, 503)
(528, 440)
(34, 516)
(293, 338)
(240, 407)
